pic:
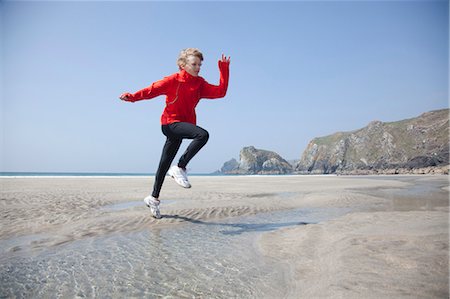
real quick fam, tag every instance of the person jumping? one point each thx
(183, 91)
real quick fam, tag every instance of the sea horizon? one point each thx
(86, 174)
(9, 174)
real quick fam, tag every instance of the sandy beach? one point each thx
(391, 243)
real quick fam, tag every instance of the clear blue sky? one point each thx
(299, 70)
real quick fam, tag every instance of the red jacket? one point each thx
(183, 92)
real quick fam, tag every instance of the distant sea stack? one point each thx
(417, 145)
(257, 161)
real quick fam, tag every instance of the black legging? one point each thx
(175, 134)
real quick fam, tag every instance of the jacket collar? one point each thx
(184, 76)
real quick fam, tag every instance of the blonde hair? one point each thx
(182, 58)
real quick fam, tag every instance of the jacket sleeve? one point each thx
(210, 91)
(155, 89)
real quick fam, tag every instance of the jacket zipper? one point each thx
(176, 95)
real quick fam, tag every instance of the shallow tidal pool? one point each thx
(199, 259)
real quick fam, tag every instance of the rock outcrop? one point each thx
(257, 161)
(417, 145)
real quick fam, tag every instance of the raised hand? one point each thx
(225, 59)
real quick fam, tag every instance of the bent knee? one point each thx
(203, 135)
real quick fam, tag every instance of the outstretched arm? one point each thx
(210, 91)
(155, 89)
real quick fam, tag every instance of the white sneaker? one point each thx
(153, 204)
(179, 175)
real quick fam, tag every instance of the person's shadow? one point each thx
(238, 228)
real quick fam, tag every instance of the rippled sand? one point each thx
(74, 208)
(394, 243)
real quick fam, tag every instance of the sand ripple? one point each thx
(395, 240)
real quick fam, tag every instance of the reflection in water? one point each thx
(420, 195)
(239, 228)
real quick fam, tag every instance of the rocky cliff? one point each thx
(417, 145)
(257, 161)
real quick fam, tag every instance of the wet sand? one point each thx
(393, 243)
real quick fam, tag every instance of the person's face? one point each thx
(193, 64)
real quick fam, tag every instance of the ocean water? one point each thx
(70, 174)
(106, 174)
(198, 259)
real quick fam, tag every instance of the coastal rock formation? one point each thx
(417, 145)
(257, 161)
